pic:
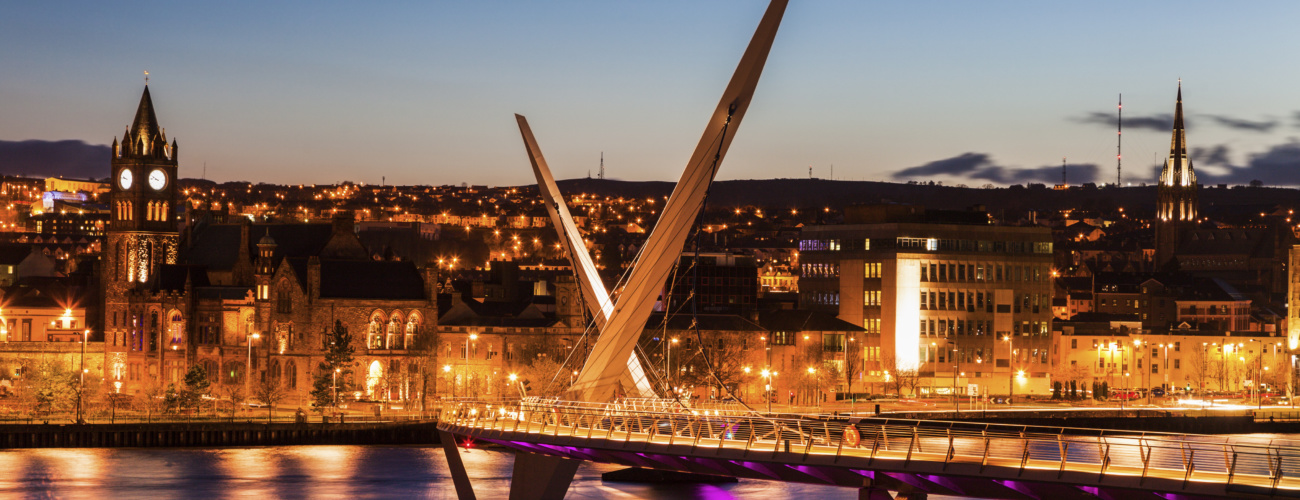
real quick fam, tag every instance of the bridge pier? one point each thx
(460, 478)
(874, 493)
(541, 477)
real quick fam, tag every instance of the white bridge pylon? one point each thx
(604, 368)
(595, 295)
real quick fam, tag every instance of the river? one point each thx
(346, 472)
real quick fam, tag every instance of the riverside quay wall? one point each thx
(209, 434)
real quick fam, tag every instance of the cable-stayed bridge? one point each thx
(912, 457)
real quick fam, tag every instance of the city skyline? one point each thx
(424, 95)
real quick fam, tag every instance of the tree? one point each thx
(50, 386)
(900, 376)
(196, 386)
(151, 398)
(1200, 366)
(338, 356)
(426, 349)
(853, 364)
(268, 391)
(232, 392)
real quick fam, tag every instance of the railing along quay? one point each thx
(1266, 467)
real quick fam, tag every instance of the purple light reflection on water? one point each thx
(342, 472)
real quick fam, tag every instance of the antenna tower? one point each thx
(1119, 142)
(602, 165)
(1063, 182)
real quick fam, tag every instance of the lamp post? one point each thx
(812, 372)
(1137, 346)
(767, 388)
(669, 362)
(335, 385)
(520, 385)
(1011, 368)
(447, 370)
(746, 386)
(81, 386)
(248, 369)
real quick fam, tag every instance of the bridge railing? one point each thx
(1169, 456)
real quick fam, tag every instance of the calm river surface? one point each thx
(349, 472)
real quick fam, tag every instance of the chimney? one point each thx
(344, 221)
(313, 278)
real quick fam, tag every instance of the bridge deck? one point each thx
(984, 460)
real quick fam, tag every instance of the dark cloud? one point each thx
(1215, 156)
(980, 166)
(957, 166)
(1296, 116)
(1158, 123)
(72, 159)
(1244, 125)
(1275, 167)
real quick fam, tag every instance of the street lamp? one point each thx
(1011, 368)
(746, 370)
(515, 379)
(248, 369)
(447, 370)
(81, 387)
(767, 389)
(812, 372)
(335, 386)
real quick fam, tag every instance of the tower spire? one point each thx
(1176, 201)
(145, 120)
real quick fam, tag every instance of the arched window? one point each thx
(210, 369)
(374, 333)
(176, 329)
(153, 331)
(395, 323)
(232, 373)
(291, 374)
(412, 330)
(275, 371)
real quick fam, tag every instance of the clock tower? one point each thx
(142, 233)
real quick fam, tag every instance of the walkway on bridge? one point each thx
(874, 455)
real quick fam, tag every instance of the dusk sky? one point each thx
(424, 92)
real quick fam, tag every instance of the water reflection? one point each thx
(341, 472)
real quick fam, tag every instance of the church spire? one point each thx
(1178, 170)
(145, 123)
(1176, 202)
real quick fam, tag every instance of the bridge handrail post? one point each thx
(1232, 467)
(875, 446)
(776, 437)
(1277, 476)
(697, 433)
(753, 433)
(1064, 448)
(1146, 460)
(1189, 463)
(672, 437)
(1105, 463)
(1024, 455)
(952, 450)
(910, 444)
(984, 460)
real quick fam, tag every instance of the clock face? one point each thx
(124, 179)
(157, 179)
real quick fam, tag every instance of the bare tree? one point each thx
(1200, 366)
(269, 392)
(900, 377)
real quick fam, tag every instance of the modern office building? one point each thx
(947, 297)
